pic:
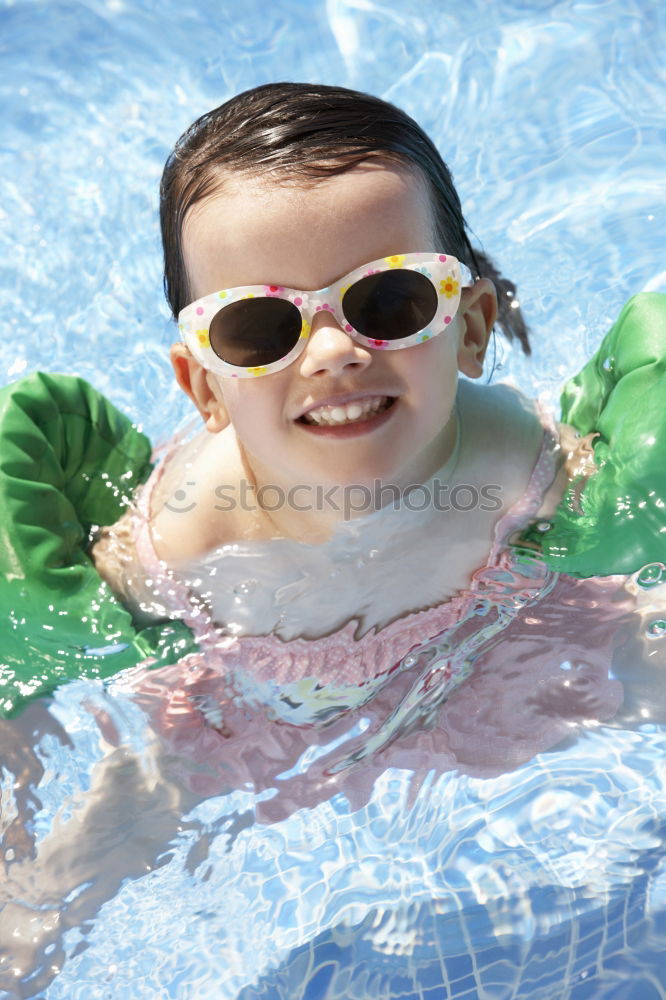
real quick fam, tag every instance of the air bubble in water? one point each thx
(245, 587)
(657, 629)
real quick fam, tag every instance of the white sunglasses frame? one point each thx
(448, 277)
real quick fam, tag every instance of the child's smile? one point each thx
(341, 413)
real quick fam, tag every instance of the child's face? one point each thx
(302, 236)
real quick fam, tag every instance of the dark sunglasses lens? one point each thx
(390, 305)
(254, 332)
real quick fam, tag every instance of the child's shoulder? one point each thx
(184, 512)
(500, 419)
(502, 434)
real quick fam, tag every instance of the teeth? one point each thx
(330, 416)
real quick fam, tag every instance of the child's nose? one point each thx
(330, 350)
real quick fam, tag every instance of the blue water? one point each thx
(546, 883)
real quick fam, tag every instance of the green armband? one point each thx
(615, 520)
(68, 460)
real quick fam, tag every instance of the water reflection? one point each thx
(174, 767)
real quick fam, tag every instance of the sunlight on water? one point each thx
(189, 833)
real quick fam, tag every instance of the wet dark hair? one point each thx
(309, 131)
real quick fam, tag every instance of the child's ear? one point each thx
(200, 386)
(478, 311)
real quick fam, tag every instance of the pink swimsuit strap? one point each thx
(341, 657)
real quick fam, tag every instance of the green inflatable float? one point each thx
(615, 520)
(69, 460)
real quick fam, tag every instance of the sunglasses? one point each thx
(389, 304)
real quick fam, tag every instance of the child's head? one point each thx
(308, 131)
(291, 188)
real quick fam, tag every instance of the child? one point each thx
(349, 499)
(329, 298)
(299, 187)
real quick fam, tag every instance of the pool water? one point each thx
(136, 866)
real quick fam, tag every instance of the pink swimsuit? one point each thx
(521, 694)
(340, 658)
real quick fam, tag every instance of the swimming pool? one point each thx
(158, 877)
